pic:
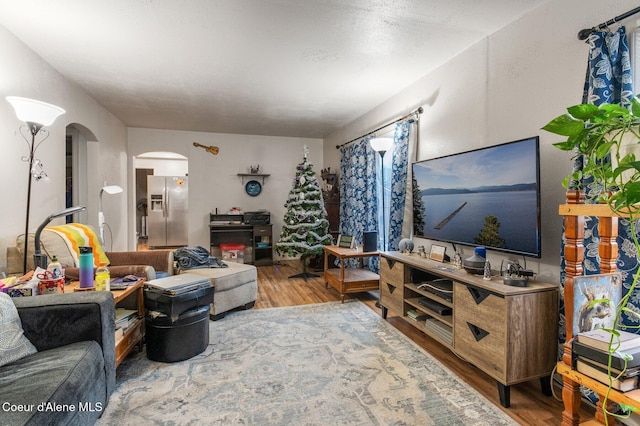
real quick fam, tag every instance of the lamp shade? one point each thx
(112, 189)
(381, 144)
(32, 111)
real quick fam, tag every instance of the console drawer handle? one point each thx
(477, 332)
(478, 294)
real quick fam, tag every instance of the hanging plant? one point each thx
(601, 136)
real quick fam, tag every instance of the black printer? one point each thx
(260, 217)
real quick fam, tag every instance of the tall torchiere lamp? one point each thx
(382, 145)
(109, 189)
(36, 115)
(39, 259)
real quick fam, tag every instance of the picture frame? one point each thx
(595, 300)
(437, 253)
(346, 241)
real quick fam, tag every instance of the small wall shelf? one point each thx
(253, 175)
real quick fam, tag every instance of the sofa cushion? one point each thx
(63, 241)
(50, 244)
(13, 343)
(71, 376)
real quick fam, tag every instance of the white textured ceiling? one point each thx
(266, 67)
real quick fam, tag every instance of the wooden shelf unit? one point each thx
(574, 213)
(508, 332)
(349, 280)
(262, 176)
(130, 298)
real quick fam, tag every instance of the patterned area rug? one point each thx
(321, 364)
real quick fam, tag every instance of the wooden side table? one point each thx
(349, 280)
(131, 298)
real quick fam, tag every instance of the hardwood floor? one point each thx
(528, 405)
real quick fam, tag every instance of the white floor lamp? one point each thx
(36, 115)
(109, 189)
(382, 145)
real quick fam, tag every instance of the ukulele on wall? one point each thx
(210, 149)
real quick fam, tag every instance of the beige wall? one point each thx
(213, 179)
(504, 88)
(26, 74)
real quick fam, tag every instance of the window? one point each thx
(384, 188)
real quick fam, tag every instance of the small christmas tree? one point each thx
(305, 228)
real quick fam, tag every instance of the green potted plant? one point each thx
(600, 133)
(606, 138)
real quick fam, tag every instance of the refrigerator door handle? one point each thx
(166, 203)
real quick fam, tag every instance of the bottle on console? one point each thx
(55, 267)
(86, 267)
(103, 278)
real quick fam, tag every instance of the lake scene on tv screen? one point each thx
(486, 197)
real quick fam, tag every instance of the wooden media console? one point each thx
(510, 333)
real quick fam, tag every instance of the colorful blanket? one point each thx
(77, 235)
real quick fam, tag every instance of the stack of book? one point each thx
(416, 315)
(591, 358)
(125, 318)
(440, 329)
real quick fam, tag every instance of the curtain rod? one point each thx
(585, 33)
(416, 112)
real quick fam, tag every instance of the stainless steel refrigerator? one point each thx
(167, 211)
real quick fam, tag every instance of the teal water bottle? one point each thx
(86, 267)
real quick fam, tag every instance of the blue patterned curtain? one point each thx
(398, 184)
(358, 194)
(361, 190)
(608, 80)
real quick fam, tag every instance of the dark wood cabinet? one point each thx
(258, 239)
(331, 197)
(262, 245)
(333, 216)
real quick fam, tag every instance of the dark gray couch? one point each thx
(70, 378)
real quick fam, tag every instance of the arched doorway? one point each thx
(80, 149)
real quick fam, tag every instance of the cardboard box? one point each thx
(19, 291)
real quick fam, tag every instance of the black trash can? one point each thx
(173, 341)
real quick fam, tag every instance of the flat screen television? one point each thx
(487, 197)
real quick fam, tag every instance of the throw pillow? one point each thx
(50, 244)
(13, 343)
